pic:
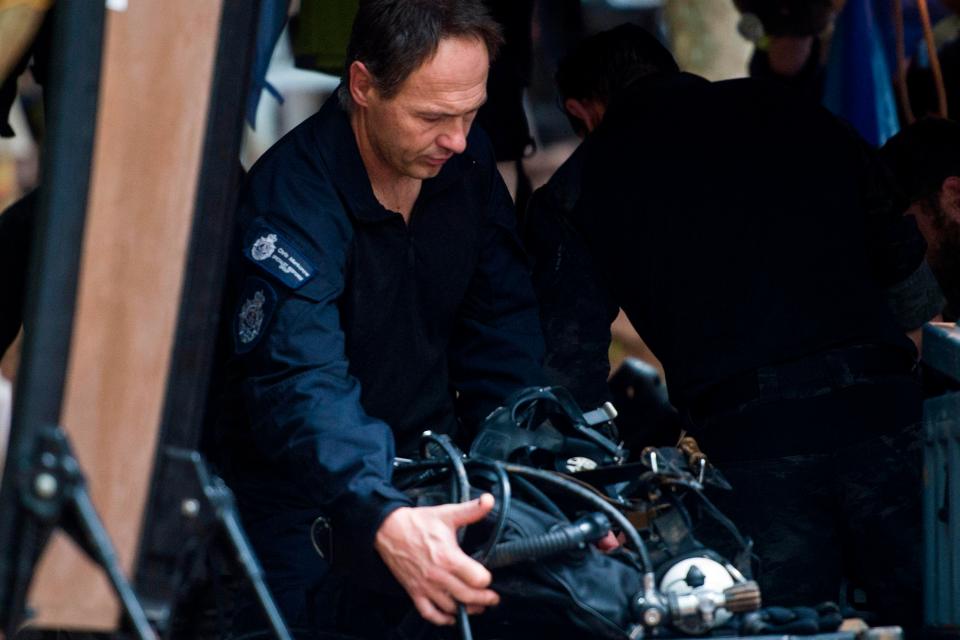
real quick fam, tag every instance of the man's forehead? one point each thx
(450, 102)
(455, 75)
(451, 50)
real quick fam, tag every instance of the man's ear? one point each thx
(584, 110)
(361, 83)
(950, 197)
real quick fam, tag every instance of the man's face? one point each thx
(939, 221)
(426, 123)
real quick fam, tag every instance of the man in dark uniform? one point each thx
(747, 237)
(378, 289)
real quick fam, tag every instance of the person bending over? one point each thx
(377, 289)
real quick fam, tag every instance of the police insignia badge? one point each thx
(251, 318)
(277, 255)
(264, 247)
(256, 306)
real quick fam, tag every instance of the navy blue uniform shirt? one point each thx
(352, 332)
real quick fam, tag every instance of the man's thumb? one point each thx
(469, 512)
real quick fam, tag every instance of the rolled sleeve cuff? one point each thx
(916, 299)
(355, 532)
(388, 500)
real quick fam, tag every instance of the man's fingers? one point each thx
(470, 572)
(465, 513)
(430, 613)
(442, 601)
(468, 595)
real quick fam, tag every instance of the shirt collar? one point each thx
(337, 146)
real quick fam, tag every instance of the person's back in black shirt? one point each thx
(737, 227)
(755, 244)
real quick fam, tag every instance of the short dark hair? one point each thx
(923, 155)
(606, 62)
(394, 37)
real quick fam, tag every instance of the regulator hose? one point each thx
(459, 492)
(566, 537)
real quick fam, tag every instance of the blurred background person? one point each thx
(788, 38)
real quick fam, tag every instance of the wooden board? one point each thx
(158, 58)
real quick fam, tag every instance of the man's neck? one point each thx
(395, 192)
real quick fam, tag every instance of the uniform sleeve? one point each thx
(302, 404)
(895, 247)
(496, 347)
(576, 310)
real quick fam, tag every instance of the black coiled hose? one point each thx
(459, 490)
(503, 482)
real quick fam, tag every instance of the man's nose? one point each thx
(454, 139)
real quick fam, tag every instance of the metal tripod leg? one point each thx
(222, 514)
(53, 491)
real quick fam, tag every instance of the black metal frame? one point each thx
(72, 92)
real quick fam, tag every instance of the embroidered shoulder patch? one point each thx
(257, 303)
(271, 251)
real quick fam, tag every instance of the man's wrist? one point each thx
(386, 521)
(356, 522)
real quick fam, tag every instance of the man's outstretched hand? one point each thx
(419, 546)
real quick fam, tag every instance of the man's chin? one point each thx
(425, 171)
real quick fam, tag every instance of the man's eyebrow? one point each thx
(448, 114)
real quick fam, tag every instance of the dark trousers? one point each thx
(316, 602)
(298, 579)
(827, 483)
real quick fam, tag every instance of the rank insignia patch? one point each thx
(257, 303)
(268, 249)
